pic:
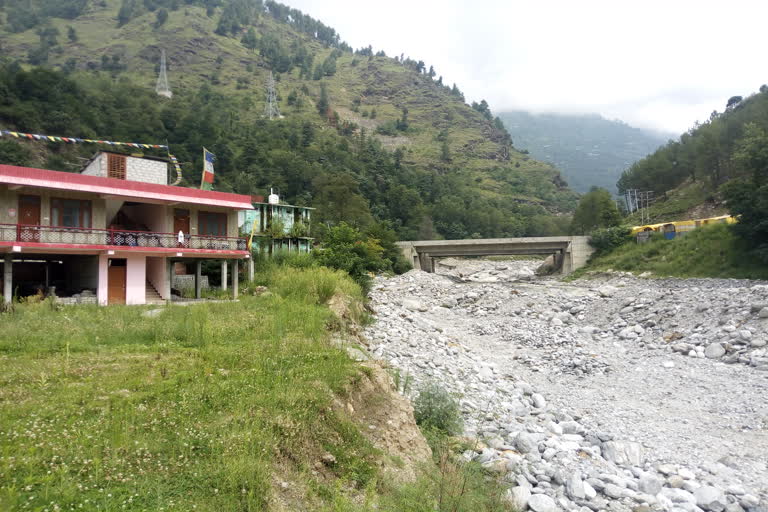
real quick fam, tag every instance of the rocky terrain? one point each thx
(613, 393)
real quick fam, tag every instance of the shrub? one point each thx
(435, 408)
(299, 229)
(346, 248)
(607, 239)
(317, 285)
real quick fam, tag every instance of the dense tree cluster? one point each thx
(729, 154)
(747, 197)
(705, 153)
(345, 173)
(596, 209)
(26, 14)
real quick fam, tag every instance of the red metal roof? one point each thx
(30, 177)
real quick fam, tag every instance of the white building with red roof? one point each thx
(113, 232)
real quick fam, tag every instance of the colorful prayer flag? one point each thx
(207, 182)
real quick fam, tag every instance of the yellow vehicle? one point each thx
(681, 227)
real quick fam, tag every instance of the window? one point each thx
(212, 224)
(70, 213)
(116, 166)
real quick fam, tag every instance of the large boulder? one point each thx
(519, 497)
(678, 495)
(574, 487)
(525, 443)
(623, 453)
(710, 498)
(542, 503)
(650, 484)
(714, 351)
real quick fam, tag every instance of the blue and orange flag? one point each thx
(207, 182)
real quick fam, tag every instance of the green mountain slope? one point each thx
(589, 149)
(385, 141)
(721, 164)
(706, 154)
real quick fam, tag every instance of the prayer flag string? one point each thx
(78, 140)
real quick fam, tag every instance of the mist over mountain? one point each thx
(589, 149)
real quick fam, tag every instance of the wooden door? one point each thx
(29, 218)
(181, 221)
(116, 278)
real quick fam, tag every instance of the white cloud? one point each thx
(658, 64)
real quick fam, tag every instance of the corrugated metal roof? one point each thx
(30, 177)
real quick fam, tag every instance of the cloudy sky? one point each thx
(654, 64)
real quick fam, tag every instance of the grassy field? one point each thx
(711, 251)
(205, 407)
(681, 203)
(107, 409)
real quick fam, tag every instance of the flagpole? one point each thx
(202, 176)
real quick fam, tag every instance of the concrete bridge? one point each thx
(569, 252)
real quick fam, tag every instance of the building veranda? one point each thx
(112, 233)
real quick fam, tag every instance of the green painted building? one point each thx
(277, 227)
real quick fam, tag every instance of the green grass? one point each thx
(205, 407)
(448, 484)
(110, 410)
(712, 251)
(677, 205)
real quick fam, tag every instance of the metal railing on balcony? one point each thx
(122, 238)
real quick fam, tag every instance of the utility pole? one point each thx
(641, 201)
(271, 110)
(162, 88)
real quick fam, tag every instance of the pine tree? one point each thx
(596, 209)
(322, 104)
(250, 40)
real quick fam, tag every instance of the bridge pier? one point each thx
(426, 262)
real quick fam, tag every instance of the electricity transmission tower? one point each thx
(162, 88)
(639, 200)
(271, 110)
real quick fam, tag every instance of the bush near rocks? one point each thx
(435, 408)
(607, 239)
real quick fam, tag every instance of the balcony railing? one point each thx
(87, 236)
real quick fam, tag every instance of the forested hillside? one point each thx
(723, 161)
(707, 154)
(363, 137)
(589, 149)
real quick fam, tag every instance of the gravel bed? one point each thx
(613, 393)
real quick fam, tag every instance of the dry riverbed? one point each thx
(611, 393)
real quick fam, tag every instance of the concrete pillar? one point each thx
(168, 281)
(7, 279)
(135, 279)
(567, 262)
(250, 270)
(235, 278)
(426, 263)
(223, 274)
(198, 279)
(102, 292)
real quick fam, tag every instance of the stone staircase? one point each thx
(152, 296)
